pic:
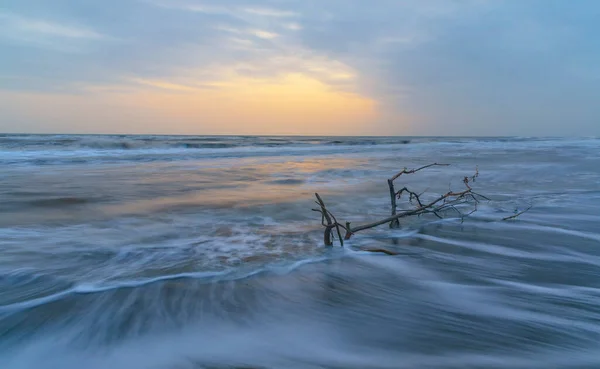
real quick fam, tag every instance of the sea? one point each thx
(177, 252)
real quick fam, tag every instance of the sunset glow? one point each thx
(293, 104)
(299, 67)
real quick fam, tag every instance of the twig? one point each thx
(518, 214)
(393, 194)
(406, 171)
(327, 236)
(383, 251)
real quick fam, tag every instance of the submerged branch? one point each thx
(518, 214)
(327, 239)
(406, 171)
(395, 223)
(451, 200)
(427, 208)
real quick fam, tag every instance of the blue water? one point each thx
(203, 252)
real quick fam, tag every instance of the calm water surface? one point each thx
(202, 252)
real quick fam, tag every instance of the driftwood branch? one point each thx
(452, 200)
(406, 171)
(329, 221)
(518, 214)
(395, 223)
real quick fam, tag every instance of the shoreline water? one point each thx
(260, 290)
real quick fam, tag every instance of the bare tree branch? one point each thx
(393, 194)
(406, 171)
(451, 200)
(518, 214)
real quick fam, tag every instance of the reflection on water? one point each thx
(214, 260)
(44, 196)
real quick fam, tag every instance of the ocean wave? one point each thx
(74, 157)
(25, 286)
(364, 142)
(133, 142)
(102, 256)
(59, 202)
(66, 289)
(33, 142)
(39, 150)
(509, 252)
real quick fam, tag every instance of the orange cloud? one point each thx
(292, 104)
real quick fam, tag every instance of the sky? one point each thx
(302, 67)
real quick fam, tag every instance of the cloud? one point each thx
(238, 9)
(271, 12)
(293, 26)
(452, 66)
(41, 33)
(208, 9)
(470, 67)
(19, 24)
(297, 104)
(264, 34)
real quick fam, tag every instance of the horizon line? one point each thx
(281, 135)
